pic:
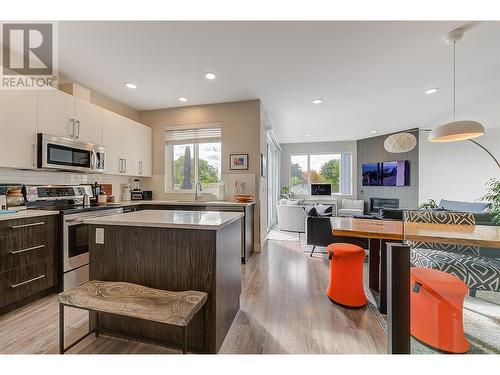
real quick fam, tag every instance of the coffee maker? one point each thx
(136, 190)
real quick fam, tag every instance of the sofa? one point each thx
(478, 268)
(291, 215)
(351, 207)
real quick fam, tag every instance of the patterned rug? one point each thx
(481, 315)
(283, 235)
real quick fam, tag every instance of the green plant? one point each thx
(285, 191)
(492, 195)
(430, 204)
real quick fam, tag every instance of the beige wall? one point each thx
(241, 133)
(99, 99)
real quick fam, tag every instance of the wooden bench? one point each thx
(132, 300)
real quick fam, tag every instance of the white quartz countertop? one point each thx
(184, 203)
(170, 219)
(25, 214)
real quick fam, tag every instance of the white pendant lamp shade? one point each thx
(400, 142)
(456, 131)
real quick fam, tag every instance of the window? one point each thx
(331, 168)
(192, 156)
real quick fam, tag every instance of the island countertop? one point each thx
(211, 220)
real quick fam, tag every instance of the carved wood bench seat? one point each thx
(132, 300)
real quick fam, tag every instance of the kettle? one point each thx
(126, 193)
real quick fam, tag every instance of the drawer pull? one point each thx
(27, 225)
(27, 281)
(27, 249)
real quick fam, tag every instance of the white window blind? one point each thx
(201, 135)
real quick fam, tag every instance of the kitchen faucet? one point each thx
(198, 184)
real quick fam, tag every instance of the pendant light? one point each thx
(456, 130)
(400, 142)
(459, 130)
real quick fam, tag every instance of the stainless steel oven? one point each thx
(76, 246)
(67, 154)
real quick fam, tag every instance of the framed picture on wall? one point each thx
(238, 161)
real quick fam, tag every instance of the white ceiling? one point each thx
(371, 75)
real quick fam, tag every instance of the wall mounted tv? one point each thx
(387, 173)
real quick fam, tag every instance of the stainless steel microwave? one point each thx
(69, 155)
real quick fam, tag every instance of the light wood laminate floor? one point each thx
(284, 309)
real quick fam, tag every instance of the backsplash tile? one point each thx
(27, 177)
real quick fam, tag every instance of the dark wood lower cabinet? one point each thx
(28, 259)
(247, 223)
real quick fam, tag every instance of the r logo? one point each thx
(27, 49)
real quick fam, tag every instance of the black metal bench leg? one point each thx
(61, 328)
(184, 350)
(96, 329)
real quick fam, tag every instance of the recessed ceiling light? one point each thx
(210, 76)
(431, 91)
(373, 132)
(317, 101)
(131, 85)
(182, 99)
(309, 135)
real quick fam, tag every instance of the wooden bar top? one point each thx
(367, 228)
(472, 235)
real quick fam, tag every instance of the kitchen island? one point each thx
(176, 251)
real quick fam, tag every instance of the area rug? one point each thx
(481, 314)
(481, 323)
(282, 235)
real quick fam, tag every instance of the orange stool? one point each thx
(346, 274)
(436, 309)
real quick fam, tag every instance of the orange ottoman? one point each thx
(436, 309)
(346, 274)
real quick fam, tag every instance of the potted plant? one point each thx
(492, 195)
(429, 205)
(285, 192)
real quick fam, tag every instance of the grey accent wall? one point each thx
(371, 150)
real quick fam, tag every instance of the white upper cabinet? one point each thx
(145, 167)
(24, 113)
(56, 113)
(112, 139)
(128, 145)
(65, 115)
(131, 146)
(18, 128)
(88, 122)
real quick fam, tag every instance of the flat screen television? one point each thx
(387, 173)
(371, 174)
(321, 189)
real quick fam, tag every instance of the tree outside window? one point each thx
(204, 165)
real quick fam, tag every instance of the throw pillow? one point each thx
(311, 211)
(293, 202)
(324, 210)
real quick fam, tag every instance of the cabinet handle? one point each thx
(77, 129)
(27, 281)
(140, 167)
(27, 249)
(122, 169)
(27, 225)
(125, 165)
(72, 134)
